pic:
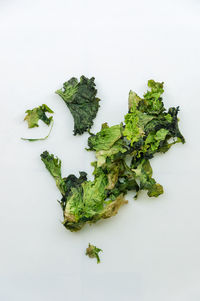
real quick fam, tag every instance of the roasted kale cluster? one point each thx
(123, 154)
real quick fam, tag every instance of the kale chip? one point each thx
(93, 252)
(35, 114)
(80, 97)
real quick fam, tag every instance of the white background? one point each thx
(151, 248)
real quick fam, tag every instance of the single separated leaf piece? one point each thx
(80, 97)
(93, 252)
(36, 114)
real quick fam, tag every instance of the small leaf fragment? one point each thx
(36, 114)
(93, 252)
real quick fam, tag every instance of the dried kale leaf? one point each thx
(80, 97)
(107, 142)
(143, 172)
(93, 252)
(135, 120)
(36, 114)
(53, 165)
(152, 102)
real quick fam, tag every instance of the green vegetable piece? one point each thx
(80, 97)
(53, 165)
(152, 103)
(120, 177)
(93, 252)
(107, 142)
(86, 202)
(135, 120)
(168, 117)
(144, 175)
(105, 139)
(35, 114)
(86, 205)
(153, 140)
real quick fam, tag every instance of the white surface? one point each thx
(151, 248)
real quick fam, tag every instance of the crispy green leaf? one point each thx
(120, 177)
(53, 165)
(152, 102)
(153, 140)
(107, 143)
(80, 97)
(86, 201)
(36, 114)
(106, 138)
(135, 120)
(144, 175)
(93, 252)
(72, 182)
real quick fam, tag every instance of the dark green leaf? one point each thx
(80, 97)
